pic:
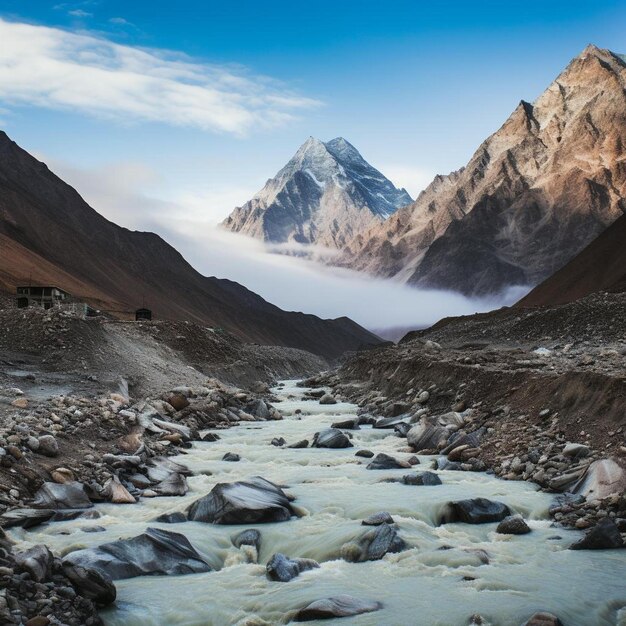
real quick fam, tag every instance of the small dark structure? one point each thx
(143, 314)
(43, 296)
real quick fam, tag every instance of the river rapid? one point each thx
(421, 586)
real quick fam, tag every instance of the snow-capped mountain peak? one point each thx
(325, 194)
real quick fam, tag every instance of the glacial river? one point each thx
(422, 586)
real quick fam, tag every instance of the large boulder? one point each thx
(282, 568)
(331, 438)
(604, 535)
(383, 461)
(247, 502)
(153, 552)
(474, 511)
(91, 584)
(67, 496)
(338, 606)
(373, 544)
(602, 479)
(427, 437)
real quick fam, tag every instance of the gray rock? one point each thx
(331, 438)
(604, 535)
(48, 446)
(91, 584)
(37, 561)
(174, 485)
(327, 399)
(383, 461)
(576, 450)
(426, 437)
(425, 479)
(247, 502)
(376, 519)
(153, 552)
(338, 606)
(249, 537)
(389, 422)
(513, 525)
(366, 454)
(67, 496)
(232, 457)
(171, 518)
(300, 444)
(474, 511)
(284, 569)
(352, 424)
(373, 544)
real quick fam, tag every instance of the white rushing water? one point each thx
(422, 586)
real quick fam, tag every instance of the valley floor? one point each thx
(101, 406)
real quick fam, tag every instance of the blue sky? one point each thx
(414, 86)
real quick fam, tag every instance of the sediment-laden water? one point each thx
(421, 586)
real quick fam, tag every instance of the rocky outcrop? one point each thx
(325, 195)
(533, 195)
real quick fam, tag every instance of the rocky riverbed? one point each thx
(329, 512)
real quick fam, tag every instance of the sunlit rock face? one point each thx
(325, 195)
(532, 196)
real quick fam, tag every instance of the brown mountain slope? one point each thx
(601, 266)
(50, 233)
(534, 194)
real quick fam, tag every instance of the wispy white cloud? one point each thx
(54, 68)
(79, 13)
(120, 21)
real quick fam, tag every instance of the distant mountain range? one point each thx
(325, 195)
(533, 195)
(50, 235)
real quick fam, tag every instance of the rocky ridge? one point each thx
(325, 195)
(534, 194)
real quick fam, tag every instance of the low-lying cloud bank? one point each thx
(291, 281)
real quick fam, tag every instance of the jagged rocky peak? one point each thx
(533, 195)
(326, 194)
